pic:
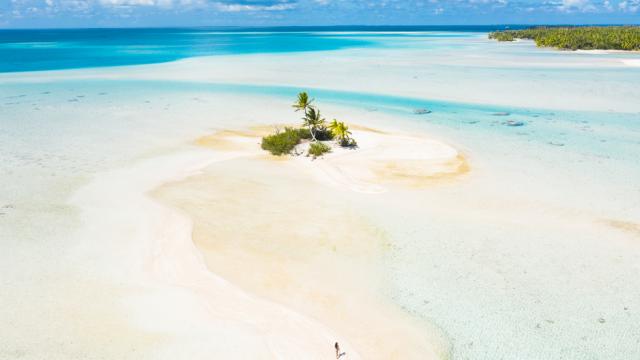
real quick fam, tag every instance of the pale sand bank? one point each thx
(387, 159)
(285, 230)
(192, 312)
(383, 158)
(604, 52)
(631, 62)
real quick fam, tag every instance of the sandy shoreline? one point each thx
(285, 230)
(149, 247)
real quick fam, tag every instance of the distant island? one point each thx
(577, 37)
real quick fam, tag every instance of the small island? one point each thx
(314, 131)
(625, 38)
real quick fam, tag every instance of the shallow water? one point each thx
(518, 261)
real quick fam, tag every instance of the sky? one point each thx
(158, 13)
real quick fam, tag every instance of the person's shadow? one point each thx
(342, 354)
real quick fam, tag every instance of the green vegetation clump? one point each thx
(577, 37)
(507, 35)
(341, 132)
(317, 149)
(348, 143)
(314, 128)
(282, 143)
(304, 133)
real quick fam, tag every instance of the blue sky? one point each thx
(116, 13)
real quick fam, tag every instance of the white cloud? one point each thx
(321, 10)
(576, 5)
(162, 3)
(256, 5)
(629, 6)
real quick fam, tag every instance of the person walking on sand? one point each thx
(337, 351)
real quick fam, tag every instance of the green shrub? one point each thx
(304, 133)
(502, 36)
(283, 142)
(318, 149)
(348, 142)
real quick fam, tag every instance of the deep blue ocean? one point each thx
(48, 49)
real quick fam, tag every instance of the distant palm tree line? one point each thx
(577, 37)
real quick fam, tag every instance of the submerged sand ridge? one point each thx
(285, 229)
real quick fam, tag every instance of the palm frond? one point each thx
(303, 102)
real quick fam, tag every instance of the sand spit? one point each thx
(631, 62)
(286, 231)
(193, 313)
(383, 159)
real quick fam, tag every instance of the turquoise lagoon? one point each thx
(30, 50)
(498, 289)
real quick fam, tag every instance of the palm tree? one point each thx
(312, 119)
(333, 124)
(340, 131)
(303, 102)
